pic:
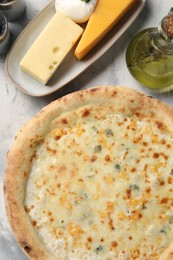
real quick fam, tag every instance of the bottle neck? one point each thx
(163, 38)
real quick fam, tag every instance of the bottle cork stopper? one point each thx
(169, 25)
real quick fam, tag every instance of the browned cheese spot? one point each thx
(64, 121)
(85, 113)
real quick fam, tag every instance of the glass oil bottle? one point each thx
(149, 56)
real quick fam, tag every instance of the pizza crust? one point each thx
(128, 101)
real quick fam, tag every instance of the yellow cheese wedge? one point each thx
(106, 14)
(51, 47)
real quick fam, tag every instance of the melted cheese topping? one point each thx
(100, 187)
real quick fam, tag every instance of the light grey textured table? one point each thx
(16, 107)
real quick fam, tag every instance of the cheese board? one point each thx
(70, 67)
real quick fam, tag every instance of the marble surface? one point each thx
(16, 107)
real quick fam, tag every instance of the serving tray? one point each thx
(70, 67)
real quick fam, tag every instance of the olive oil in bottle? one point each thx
(149, 56)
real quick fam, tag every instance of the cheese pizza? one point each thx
(91, 177)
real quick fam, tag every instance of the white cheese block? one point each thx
(51, 47)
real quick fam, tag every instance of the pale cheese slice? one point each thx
(106, 14)
(51, 47)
